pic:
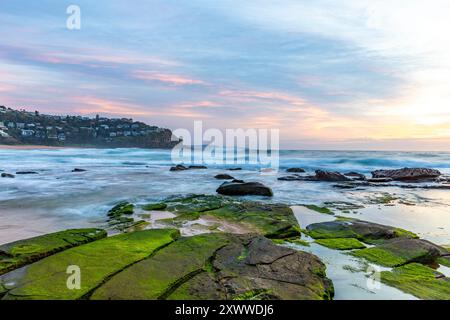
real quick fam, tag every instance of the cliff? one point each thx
(20, 127)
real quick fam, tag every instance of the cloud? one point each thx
(173, 79)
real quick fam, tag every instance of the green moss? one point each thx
(119, 216)
(138, 226)
(184, 259)
(244, 254)
(99, 260)
(418, 280)
(272, 220)
(401, 233)
(380, 256)
(323, 210)
(385, 198)
(328, 233)
(275, 221)
(341, 244)
(253, 295)
(123, 208)
(155, 207)
(20, 253)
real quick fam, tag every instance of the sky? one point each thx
(348, 74)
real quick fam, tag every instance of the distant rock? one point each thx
(355, 175)
(296, 170)
(26, 172)
(330, 176)
(244, 189)
(234, 169)
(224, 177)
(238, 181)
(79, 170)
(179, 167)
(320, 176)
(408, 174)
(7, 175)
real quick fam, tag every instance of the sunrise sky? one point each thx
(349, 74)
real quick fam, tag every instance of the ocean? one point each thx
(56, 198)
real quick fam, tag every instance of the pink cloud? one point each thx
(249, 96)
(90, 105)
(173, 79)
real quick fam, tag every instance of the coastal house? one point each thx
(27, 133)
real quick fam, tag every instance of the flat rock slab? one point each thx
(399, 252)
(17, 254)
(352, 228)
(221, 266)
(97, 261)
(270, 220)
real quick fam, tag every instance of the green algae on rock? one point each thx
(119, 216)
(272, 220)
(19, 253)
(99, 260)
(364, 231)
(398, 252)
(418, 280)
(221, 266)
(155, 207)
(341, 243)
(123, 208)
(323, 210)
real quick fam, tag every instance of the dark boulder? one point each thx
(224, 177)
(26, 172)
(330, 176)
(244, 189)
(238, 181)
(296, 170)
(234, 169)
(179, 167)
(7, 175)
(408, 174)
(198, 167)
(79, 170)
